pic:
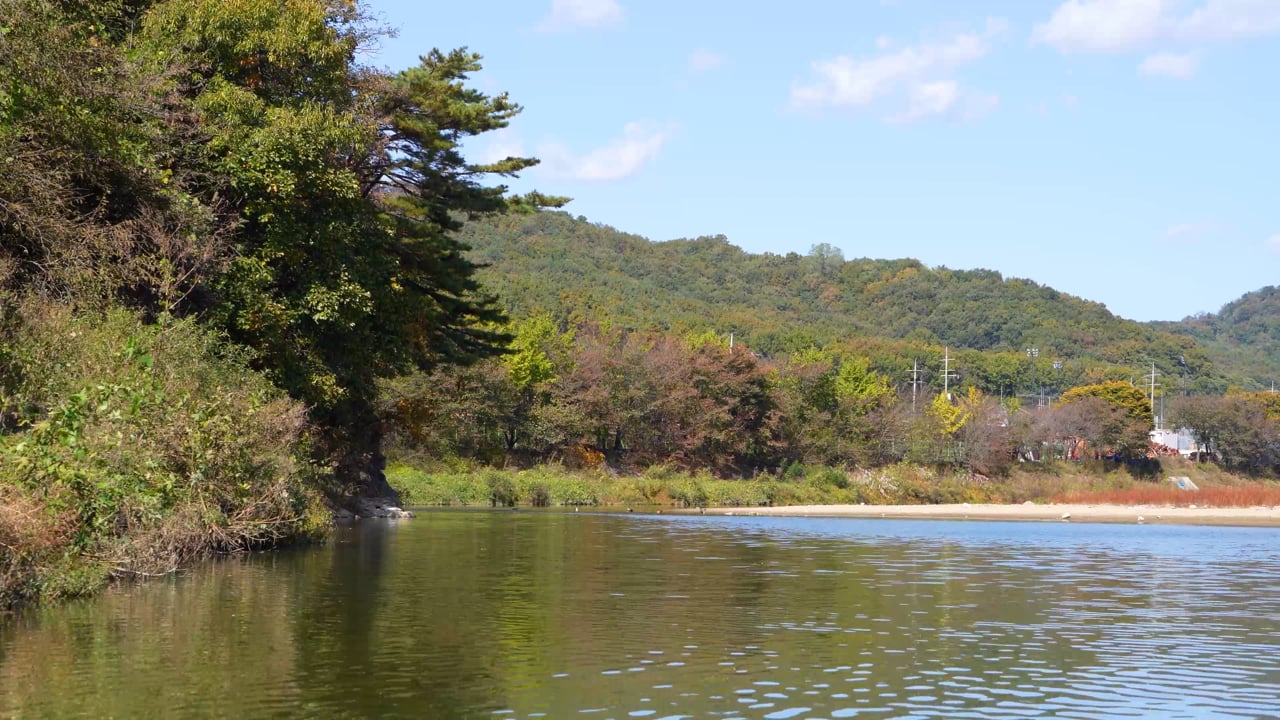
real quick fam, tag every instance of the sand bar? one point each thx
(1147, 514)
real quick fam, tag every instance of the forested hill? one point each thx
(553, 262)
(1243, 337)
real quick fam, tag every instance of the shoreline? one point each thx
(1133, 514)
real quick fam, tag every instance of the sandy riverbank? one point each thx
(1148, 514)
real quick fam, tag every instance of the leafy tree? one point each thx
(343, 184)
(985, 434)
(230, 160)
(727, 423)
(1240, 429)
(1128, 398)
(950, 416)
(1124, 429)
(1268, 400)
(1088, 426)
(92, 206)
(828, 257)
(828, 407)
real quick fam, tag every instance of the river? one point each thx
(523, 614)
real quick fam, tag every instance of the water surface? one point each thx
(576, 615)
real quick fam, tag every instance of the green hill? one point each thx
(1243, 338)
(580, 271)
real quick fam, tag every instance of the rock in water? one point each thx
(380, 508)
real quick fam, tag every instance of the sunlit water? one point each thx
(525, 615)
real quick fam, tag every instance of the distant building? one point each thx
(1182, 440)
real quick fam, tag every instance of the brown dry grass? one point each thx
(27, 526)
(1222, 497)
(29, 533)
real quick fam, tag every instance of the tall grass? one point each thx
(902, 484)
(1250, 496)
(659, 485)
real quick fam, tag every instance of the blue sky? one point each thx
(1126, 151)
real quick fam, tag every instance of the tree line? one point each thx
(595, 394)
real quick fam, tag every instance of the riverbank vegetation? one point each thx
(217, 230)
(615, 409)
(135, 448)
(593, 395)
(235, 271)
(663, 487)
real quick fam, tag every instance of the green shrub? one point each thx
(149, 444)
(834, 477)
(501, 486)
(688, 492)
(637, 490)
(735, 493)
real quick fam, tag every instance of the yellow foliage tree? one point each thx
(950, 416)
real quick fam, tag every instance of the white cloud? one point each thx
(703, 60)
(918, 71)
(621, 158)
(884, 42)
(846, 82)
(577, 14)
(1223, 20)
(1102, 25)
(925, 99)
(1171, 65)
(1273, 244)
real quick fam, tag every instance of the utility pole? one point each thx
(915, 383)
(1152, 379)
(1032, 354)
(946, 373)
(1057, 384)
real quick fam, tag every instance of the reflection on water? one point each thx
(521, 615)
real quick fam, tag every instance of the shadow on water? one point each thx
(505, 614)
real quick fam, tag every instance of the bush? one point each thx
(142, 447)
(833, 477)
(502, 488)
(418, 488)
(735, 493)
(689, 492)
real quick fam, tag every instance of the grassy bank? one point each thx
(130, 449)
(551, 485)
(555, 486)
